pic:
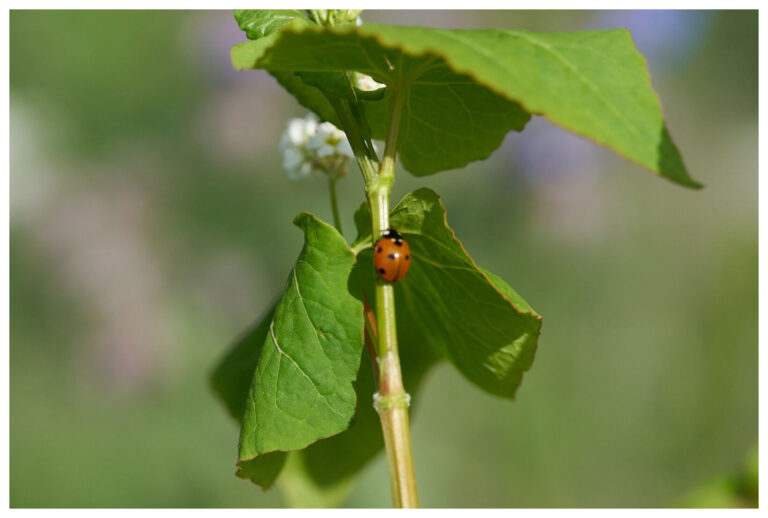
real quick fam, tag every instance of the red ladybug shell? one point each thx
(391, 256)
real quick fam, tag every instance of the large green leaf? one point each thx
(466, 315)
(308, 479)
(467, 87)
(303, 385)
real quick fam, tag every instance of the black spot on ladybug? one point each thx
(407, 257)
(379, 249)
(391, 256)
(382, 271)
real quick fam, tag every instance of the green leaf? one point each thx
(309, 88)
(308, 96)
(232, 377)
(264, 469)
(299, 490)
(308, 479)
(449, 120)
(471, 318)
(258, 23)
(316, 481)
(333, 84)
(467, 89)
(303, 385)
(736, 490)
(335, 16)
(231, 382)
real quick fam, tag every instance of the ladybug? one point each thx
(391, 256)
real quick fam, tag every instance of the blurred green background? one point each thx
(151, 224)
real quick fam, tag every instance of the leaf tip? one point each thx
(301, 219)
(693, 184)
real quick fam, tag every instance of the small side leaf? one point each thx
(473, 319)
(303, 385)
(258, 23)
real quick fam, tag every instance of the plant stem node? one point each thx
(384, 403)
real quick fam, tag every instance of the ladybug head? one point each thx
(391, 233)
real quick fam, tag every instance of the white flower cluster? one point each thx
(311, 147)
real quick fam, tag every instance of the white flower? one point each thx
(293, 144)
(329, 140)
(309, 147)
(297, 173)
(298, 132)
(292, 158)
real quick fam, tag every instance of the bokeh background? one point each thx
(151, 224)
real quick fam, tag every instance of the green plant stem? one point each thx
(393, 400)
